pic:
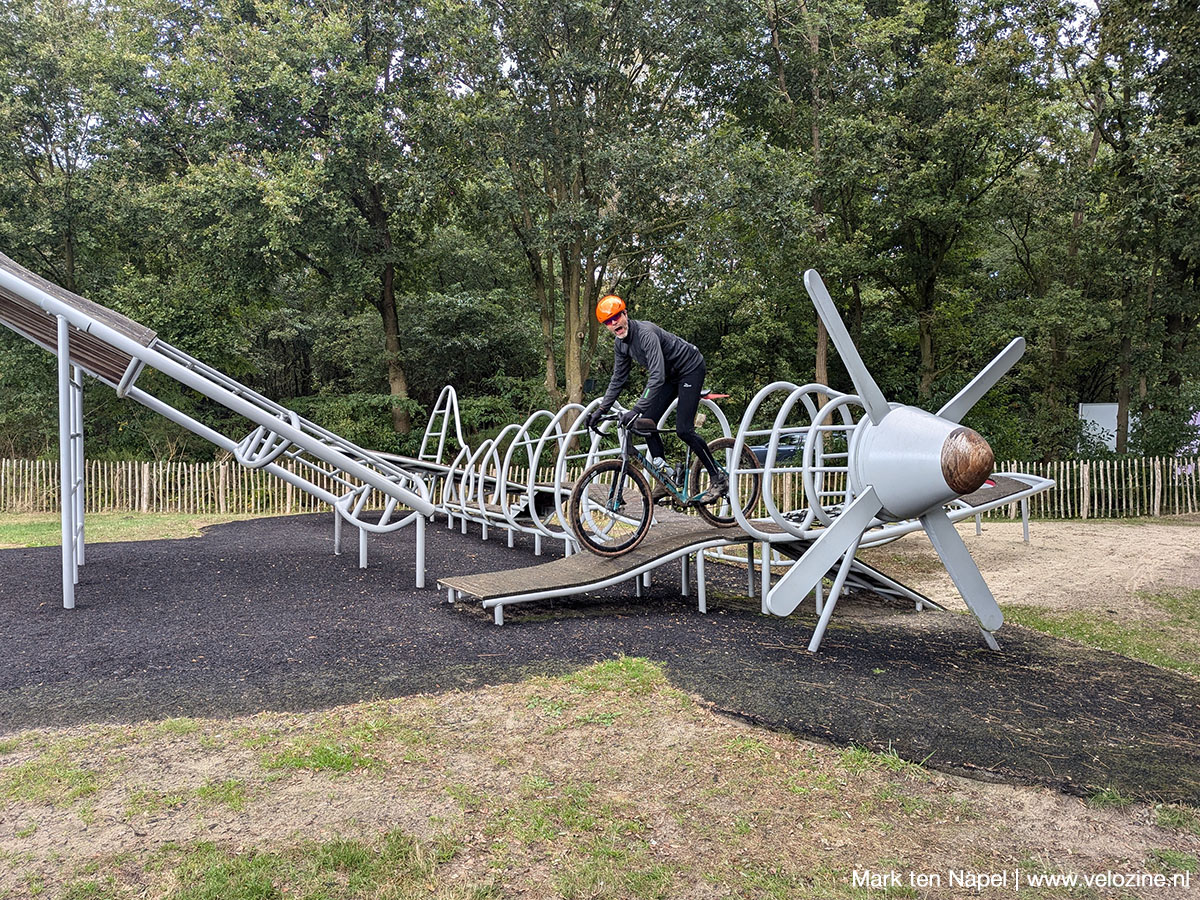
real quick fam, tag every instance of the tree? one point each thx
(578, 115)
(1133, 67)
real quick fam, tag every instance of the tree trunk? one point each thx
(545, 297)
(856, 312)
(1124, 376)
(925, 337)
(397, 381)
(574, 333)
(774, 17)
(1093, 151)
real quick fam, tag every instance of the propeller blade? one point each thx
(826, 550)
(872, 397)
(963, 571)
(960, 404)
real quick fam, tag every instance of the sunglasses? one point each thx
(612, 320)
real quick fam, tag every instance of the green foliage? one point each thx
(348, 206)
(29, 410)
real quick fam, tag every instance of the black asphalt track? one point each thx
(261, 616)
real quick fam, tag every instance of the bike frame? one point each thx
(630, 451)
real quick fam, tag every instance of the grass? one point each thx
(859, 760)
(233, 793)
(45, 529)
(667, 798)
(53, 778)
(347, 741)
(1109, 798)
(319, 755)
(1178, 817)
(393, 866)
(586, 837)
(625, 675)
(1171, 641)
(1168, 861)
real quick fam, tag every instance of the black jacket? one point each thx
(667, 358)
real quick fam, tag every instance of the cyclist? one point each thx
(675, 369)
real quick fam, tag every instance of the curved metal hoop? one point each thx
(263, 446)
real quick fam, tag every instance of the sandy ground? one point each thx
(1103, 564)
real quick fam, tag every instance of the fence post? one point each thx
(1086, 492)
(1156, 507)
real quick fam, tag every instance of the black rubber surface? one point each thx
(260, 615)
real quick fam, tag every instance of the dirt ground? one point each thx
(1066, 566)
(730, 808)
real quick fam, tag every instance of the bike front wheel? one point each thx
(744, 490)
(610, 513)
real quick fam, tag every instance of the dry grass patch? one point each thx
(608, 783)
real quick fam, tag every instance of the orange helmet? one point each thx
(610, 305)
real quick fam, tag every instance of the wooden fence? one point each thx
(173, 487)
(1085, 488)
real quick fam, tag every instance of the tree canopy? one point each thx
(347, 205)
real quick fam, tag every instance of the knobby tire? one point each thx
(601, 531)
(747, 487)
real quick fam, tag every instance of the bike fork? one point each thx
(616, 494)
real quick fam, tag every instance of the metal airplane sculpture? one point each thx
(903, 464)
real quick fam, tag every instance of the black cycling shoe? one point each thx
(718, 489)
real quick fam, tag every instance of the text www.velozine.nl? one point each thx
(1016, 879)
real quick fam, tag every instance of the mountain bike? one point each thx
(612, 506)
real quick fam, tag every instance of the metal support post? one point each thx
(337, 533)
(420, 551)
(834, 592)
(66, 501)
(78, 476)
(1025, 517)
(766, 575)
(362, 548)
(685, 575)
(701, 586)
(750, 569)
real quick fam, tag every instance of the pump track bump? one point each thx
(259, 615)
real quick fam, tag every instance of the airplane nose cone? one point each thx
(966, 460)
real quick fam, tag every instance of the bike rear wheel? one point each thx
(610, 513)
(743, 490)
